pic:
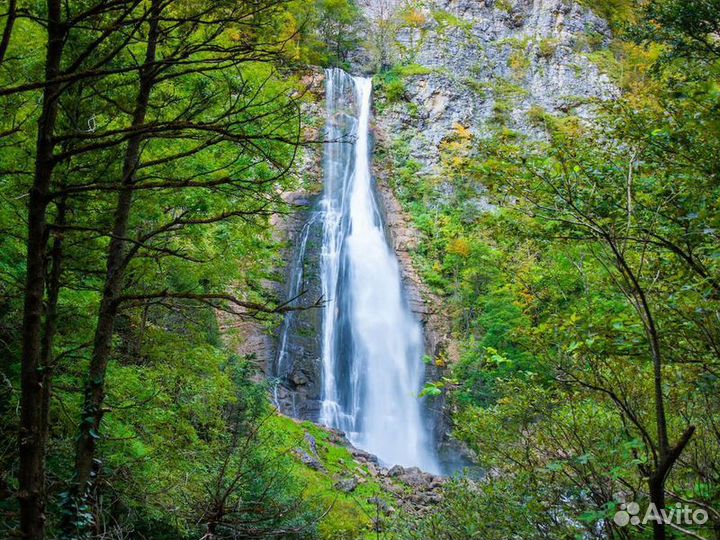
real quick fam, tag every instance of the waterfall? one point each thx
(372, 344)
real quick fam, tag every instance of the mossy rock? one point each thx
(345, 514)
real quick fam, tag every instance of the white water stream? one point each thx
(372, 344)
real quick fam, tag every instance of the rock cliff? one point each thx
(470, 62)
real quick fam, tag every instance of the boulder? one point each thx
(346, 484)
(309, 460)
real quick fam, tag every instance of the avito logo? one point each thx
(680, 514)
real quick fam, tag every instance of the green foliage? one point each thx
(445, 19)
(501, 112)
(617, 12)
(626, 64)
(547, 47)
(506, 89)
(552, 259)
(538, 116)
(186, 422)
(504, 5)
(335, 30)
(347, 514)
(180, 447)
(684, 35)
(479, 88)
(411, 70)
(389, 85)
(492, 509)
(519, 62)
(395, 90)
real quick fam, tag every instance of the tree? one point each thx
(339, 27)
(207, 123)
(382, 19)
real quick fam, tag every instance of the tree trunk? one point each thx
(7, 32)
(102, 345)
(51, 316)
(31, 475)
(656, 486)
(666, 455)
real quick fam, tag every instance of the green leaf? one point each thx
(430, 391)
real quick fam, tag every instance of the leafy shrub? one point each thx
(395, 90)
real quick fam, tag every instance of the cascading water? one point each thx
(282, 366)
(372, 344)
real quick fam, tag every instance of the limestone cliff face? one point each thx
(495, 57)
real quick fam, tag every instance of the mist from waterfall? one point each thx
(372, 344)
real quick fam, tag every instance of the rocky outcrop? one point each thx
(295, 365)
(480, 62)
(416, 492)
(310, 456)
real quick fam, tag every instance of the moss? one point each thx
(446, 19)
(404, 171)
(538, 116)
(479, 88)
(504, 89)
(547, 47)
(413, 109)
(389, 87)
(501, 106)
(348, 515)
(477, 69)
(504, 5)
(519, 60)
(501, 111)
(412, 70)
(305, 332)
(519, 63)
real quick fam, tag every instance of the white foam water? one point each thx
(372, 344)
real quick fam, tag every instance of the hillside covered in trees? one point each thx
(548, 176)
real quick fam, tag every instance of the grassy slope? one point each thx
(349, 515)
